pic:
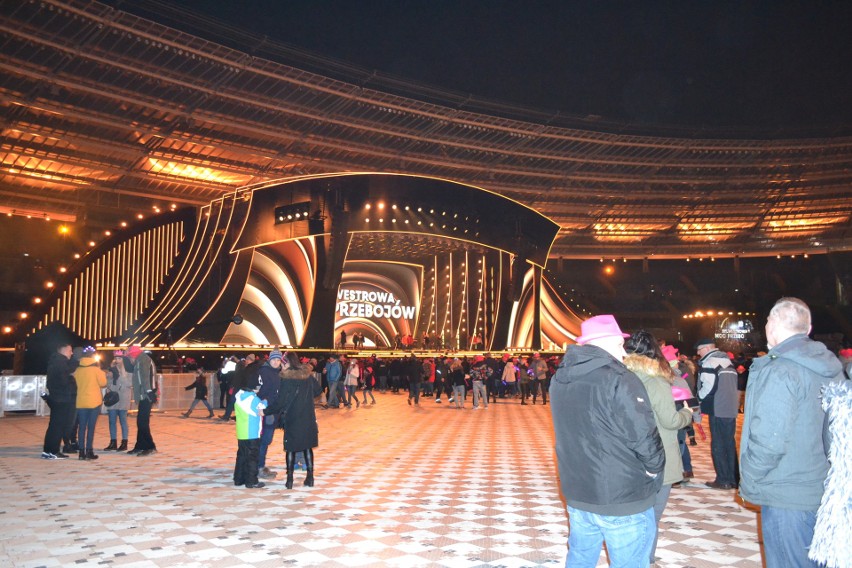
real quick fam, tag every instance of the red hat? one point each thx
(133, 351)
(599, 327)
(478, 358)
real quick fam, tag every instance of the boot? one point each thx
(123, 446)
(82, 455)
(291, 467)
(111, 446)
(309, 463)
(90, 455)
(186, 414)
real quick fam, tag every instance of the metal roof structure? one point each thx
(105, 113)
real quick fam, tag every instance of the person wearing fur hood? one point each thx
(646, 360)
(295, 405)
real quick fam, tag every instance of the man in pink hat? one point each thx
(609, 452)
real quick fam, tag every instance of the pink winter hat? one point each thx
(599, 327)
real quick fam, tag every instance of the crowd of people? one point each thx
(623, 407)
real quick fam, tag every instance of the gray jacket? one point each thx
(783, 459)
(721, 400)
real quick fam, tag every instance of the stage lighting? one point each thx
(293, 212)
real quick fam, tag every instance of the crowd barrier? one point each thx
(22, 393)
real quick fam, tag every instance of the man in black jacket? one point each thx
(609, 451)
(62, 400)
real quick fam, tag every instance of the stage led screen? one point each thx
(379, 301)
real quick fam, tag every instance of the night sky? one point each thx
(752, 65)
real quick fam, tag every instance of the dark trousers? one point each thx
(223, 394)
(267, 434)
(62, 416)
(245, 470)
(144, 440)
(87, 419)
(414, 391)
(723, 449)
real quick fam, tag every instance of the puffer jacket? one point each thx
(783, 460)
(609, 451)
(90, 380)
(722, 400)
(669, 419)
(120, 381)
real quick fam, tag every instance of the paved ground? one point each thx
(396, 486)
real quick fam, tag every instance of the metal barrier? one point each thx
(22, 393)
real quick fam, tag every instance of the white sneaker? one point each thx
(47, 456)
(438, 400)
(476, 407)
(452, 400)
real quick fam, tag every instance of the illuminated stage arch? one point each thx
(382, 255)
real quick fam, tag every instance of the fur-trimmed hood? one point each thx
(645, 366)
(300, 372)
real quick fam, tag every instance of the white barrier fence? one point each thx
(22, 393)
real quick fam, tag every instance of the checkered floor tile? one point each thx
(396, 486)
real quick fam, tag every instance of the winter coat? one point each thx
(144, 376)
(295, 404)
(200, 386)
(271, 378)
(333, 370)
(90, 380)
(353, 375)
(722, 401)
(120, 381)
(783, 458)
(509, 375)
(669, 420)
(60, 378)
(832, 543)
(608, 449)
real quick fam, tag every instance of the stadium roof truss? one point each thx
(107, 112)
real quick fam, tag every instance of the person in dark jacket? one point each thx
(784, 460)
(270, 375)
(609, 452)
(295, 406)
(62, 400)
(144, 374)
(200, 386)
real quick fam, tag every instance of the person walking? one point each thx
(333, 372)
(90, 379)
(200, 386)
(609, 452)
(784, 457)
(61, 398)
(120, 382)
(353, 377)
(295, 406)
(144, 375)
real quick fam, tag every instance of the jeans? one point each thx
(685, 456)
(370, 392)
(350, 394)
(414, 391)
(723, 448)
(196, 401)
(267, 434)
(458, 396)
(88, 418)
(628, 539)
(332, 394)
(659, 506)
(122, 417)
(787, 535)
(479, 396)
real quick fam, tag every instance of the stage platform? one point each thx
(396, 485)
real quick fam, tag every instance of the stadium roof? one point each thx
(106, 113)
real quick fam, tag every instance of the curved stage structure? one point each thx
(381, 255)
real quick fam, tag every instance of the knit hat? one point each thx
(704, 341)
(276, 354)
(478, 359)
(599, 327)
(118, 353)
(253, 381)
(133, 351)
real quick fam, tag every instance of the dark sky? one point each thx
(768, 65)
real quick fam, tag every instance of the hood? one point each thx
(805, 352)
(88, 362)
(647, 367)
(300, 372)
(580, 360)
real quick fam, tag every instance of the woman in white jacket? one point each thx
(353, 376)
